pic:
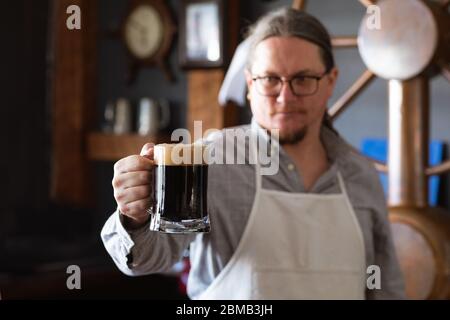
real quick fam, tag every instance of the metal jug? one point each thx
(153, 116)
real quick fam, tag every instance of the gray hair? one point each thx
(288, 22)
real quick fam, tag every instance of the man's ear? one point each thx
(248, 79)
(332, 77)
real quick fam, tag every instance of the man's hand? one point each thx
(132, 186)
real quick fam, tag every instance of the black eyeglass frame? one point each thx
(289, 81)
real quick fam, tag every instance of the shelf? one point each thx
(111, 147)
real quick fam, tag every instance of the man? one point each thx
(308, 232)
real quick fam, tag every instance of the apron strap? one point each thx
(342, 184)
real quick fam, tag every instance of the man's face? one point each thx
(293, 115)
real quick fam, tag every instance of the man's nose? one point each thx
(286, 93)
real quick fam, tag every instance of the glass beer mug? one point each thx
(180, 184)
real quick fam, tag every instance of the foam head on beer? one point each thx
(180, 189)
(171, 154)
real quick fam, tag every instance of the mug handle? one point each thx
(165, 113)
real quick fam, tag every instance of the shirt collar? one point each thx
(334, 145)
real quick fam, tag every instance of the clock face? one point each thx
(144, 31)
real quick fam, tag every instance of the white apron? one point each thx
(295, 246)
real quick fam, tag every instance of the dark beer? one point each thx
(179, 193)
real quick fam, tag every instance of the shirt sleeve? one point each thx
(141, 251)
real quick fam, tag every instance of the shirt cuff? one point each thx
(126, 234)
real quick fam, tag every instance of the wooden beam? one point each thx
(298, 4)
(367, 3)
(438, 169)
(341, 42)
(72, 76)
(203, 90)
(366, 77)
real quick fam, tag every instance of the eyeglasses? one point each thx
(301, 85)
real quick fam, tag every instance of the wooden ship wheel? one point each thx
(411, 47)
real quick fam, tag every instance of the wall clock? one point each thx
(147, 32)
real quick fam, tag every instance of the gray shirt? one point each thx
(231, 190)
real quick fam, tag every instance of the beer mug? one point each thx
(153, 116)
(123, 118)
(180, 185)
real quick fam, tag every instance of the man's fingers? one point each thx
(132, 179)
(147, 150)
(133, 163)
(136, 209)
(125, 196)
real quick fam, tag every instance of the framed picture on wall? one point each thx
(201, 43)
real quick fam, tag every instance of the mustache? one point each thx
(287, 110)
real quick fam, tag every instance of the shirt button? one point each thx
(291, 167)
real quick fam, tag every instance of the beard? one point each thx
(293, 137)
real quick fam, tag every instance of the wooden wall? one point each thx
(73, 87)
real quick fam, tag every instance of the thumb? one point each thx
(147, 150)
